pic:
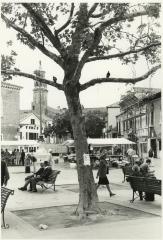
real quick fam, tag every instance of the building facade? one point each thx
(111, 128)
(140, 120)
(10, 105)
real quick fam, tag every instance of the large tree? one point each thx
(92, 32)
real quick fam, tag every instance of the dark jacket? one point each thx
(46, 173)
(40, 171)
(4, 173)
(102, 169)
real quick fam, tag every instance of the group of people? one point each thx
(139, 168)
(42, 174)
(142, 169)
(16, 157)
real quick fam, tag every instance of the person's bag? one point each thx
(107, 170)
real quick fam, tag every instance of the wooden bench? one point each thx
(127, 171)
(5, 193)
(50, 184)
(144, 184)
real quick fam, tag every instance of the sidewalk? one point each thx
(63, 196)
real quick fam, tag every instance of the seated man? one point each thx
(28, 179)
(136, 172)
(43, 177)
(146, 172)
(145, 169)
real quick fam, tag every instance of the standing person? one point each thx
(27, 163)
(13, 157)
(50, 158)
(151, 154)
(102, 172)
(17, 154)
(22, 157)
(7, 156)
(34, 160)
(4, 173)
(131, 152)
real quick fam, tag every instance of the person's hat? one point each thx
(46, 163)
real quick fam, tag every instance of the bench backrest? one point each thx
(127, 170)
(5, 193)
(53, 176)
(145, 184)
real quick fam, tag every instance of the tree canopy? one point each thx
(106, 31)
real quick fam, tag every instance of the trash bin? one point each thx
(27, 169)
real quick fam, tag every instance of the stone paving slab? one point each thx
(64, 196)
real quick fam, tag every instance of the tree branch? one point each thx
(122, 54)
(119, 80)
(121, 18)
(92, 9)
(34, 77)
(95, 42)
(68, 21)
(46, 30)
(98, 34)
(36, 44)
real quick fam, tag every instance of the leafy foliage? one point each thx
(94, 121)
(94, 124)
(111, 42)
(8, 61)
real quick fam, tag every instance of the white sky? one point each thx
(100, 95)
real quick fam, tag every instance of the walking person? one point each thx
(102, 174)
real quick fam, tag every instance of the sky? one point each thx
(100, 95)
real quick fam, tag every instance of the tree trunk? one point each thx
(88, 199)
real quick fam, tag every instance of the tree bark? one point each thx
(88, 199)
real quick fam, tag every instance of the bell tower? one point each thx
(39, 104)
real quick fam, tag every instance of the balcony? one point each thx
(143, 132)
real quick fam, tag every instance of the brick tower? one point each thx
(39, 104)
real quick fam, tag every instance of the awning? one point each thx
(102, 142)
